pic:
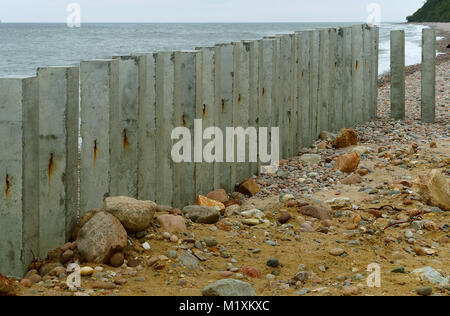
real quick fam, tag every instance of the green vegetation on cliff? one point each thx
(432, 11)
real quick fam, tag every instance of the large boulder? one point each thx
(136, 216)
(204, 201)
(83, 220)
(434, 189)
(201, 214)
(347, 163)
(219, 195)
(101, 237)
(347, 137)
(171, 223)
(229, 287)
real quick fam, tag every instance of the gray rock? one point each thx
(210, 242)
(310, 158)
(425, 291)
(134, 215)
(273, 262)
(101, 237)
(201, 214)
(229, 287)
(188, 260)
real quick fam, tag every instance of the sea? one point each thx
(25, 47)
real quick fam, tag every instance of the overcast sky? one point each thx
(206, 10)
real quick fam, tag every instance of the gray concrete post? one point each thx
(254, 93)
(165, 76)
(304, 50)
(128, 126)
(100, 133)
(324, 81)
(428, 75)
(19, 171)
(268, 54)
(357, 74)
(288, 111)
(347, 85)
(146, 135)
(314, 84)
(206, 110)
(368, 85)
(375, 43)
(58, 155)
(332, 72)
(338, 88)
(185, 108)
(241, 108)
(398, 75)
(224, 114)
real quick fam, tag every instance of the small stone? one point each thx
(86, 271)
(249, 187)
(210, 242)
(26, 283)
(251, 272)
(284, 218)
(425, 291)
(337, 252)
(174, 238)
(219, 195)
(351, 291)
(146, 246)
(229, 287)
(117, 260)
(273, 262)
(399, 270)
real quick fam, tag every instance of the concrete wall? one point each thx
(428, 76)
(398, 75)
(303, 83)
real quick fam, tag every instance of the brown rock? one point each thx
(362, 172)
(117, 260)
(67, 255)
(347, 137)
(48, 267)
(101, 237)
(103, 285)
(353, 179)
(434, 189)
(351, 291)
(26, 283)
(284, 218)
(251, 272)
(249, 187)
(347, 163)
(7, 287)
(433, 145)
(316, 211)
(206, 202)
(171, 223)
(134, 215)
(219, 195)
(35, 278)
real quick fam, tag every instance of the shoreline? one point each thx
(442, 30)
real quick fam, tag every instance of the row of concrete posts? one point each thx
(53, 169)
(398, 88)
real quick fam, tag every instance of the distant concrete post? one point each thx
(347, 84)
(331, 80)
(165, 76)
(19, 172)
(58, 154)
(268, 54)
(368, 86)
(398, 75)
(357, 74)
(288, 111)
(206, 111)
(315, 57)
(338, 82)
(324, 81)
(241, 114)
(254, 93)
(375, 43)
(100, 132)
(185, 88)
(147, 180)
(224, 114)
(304, 50)
(428, 75)
(128, 125)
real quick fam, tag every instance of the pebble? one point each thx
(425, 291)
(337, 252)
(273, 262)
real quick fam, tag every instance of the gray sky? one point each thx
(206, 10)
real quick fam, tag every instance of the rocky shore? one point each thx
(371, 201)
